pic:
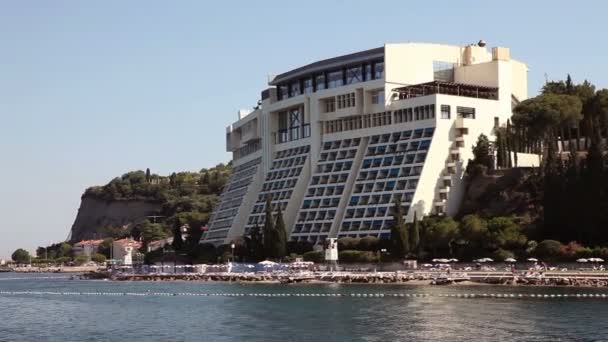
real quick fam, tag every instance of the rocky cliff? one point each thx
(95, 216)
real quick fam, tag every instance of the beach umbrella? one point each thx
(532, 259)
(510, 260)
(582, 260)
(453, 260)
(267, 263)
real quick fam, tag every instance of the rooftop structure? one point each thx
(335, 142)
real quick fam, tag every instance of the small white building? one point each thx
(124, 249)
(86, 248)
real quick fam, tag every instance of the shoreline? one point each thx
(393, 278)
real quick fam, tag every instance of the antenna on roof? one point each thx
(481, 43)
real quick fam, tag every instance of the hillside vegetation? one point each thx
(184, 198)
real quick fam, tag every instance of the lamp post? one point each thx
(232, 247)
(383, 250)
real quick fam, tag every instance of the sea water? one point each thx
(52, 307)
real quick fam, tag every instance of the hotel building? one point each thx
(334, 142)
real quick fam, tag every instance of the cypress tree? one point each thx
(399, 239)
(178, 242)
(269, 232)
(256, 243)
(414, 234)
(280, 245)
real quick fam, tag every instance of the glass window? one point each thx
(320, 82)
(354, 75)
(465, 112)
(378, 70)
(368, 72)
(295, 89)
(334, 79)
(307, 86)
(283, 91)
(443, 71)
(378, 97)
(445, 111)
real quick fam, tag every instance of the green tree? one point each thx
(178, 241)
(399, 239)
(481, 152)
(414, 234)
(280, 244)
(21, 256)
(81, 259)
(440, 233)
(64, 250)
(152, 232)
(98, 258)
(269, 231)
(256, 243)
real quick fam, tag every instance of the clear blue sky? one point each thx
(90, 90)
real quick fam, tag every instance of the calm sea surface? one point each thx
(56, 317)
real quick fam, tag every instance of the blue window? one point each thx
(424, 145)
(354, 200)
(429, 132)
(409, 159)
(387, 161)
(394, 173)
(418, 133)
(406, 135)
(413, 146)
(390, 185)
(367, 163)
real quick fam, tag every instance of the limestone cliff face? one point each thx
(94, 215)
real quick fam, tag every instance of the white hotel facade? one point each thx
(336, 141)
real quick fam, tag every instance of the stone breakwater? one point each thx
(599, 279)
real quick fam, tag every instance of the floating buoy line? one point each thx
(338, 295)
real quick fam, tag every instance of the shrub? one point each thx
(550, 249)
(99, 258)
(357, 256)
(368, 243)
(314, 256)
(346, 243)
(81, 259)
(502, 254)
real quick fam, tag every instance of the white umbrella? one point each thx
(595, 260)
(582, 260)
(267, 263)
(532, 259)
(453, 260)
(510, 260)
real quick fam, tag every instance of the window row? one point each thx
(415, 113)
(365, 225)
(321, 215)
(398, 172)
(420, 145)
(406, 135)
(405, 184)
(312, 228)
(338, 155)
(335, 167)
(329, 179)
(288, 162)
(358, 122)
(325, 191)
(292, 152)
(367, 71)
(281, 174)
(357, 200)
(260, 208)
(412, 158)
(280, 185)
(333, 145)
(321, 203)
